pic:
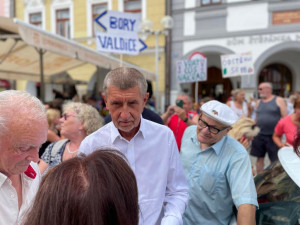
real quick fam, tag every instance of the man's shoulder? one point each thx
(235, 147)
(191, 129)
(155, 126)
(148, 114)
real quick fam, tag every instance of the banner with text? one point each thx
(120, 33)
(192, 70)
(237, 65)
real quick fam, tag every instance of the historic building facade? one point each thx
(74, 20)
(269, 30)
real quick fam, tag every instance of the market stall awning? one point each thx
(22, 45)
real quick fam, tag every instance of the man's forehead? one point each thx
(211, 121)
(183, 97)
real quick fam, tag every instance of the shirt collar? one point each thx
(2, 179)
(116, 134)
(217, 147)
(29, 174)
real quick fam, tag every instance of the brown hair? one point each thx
(97, 189)
(296, 143)
(297, 103)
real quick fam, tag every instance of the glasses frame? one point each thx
(209, 126)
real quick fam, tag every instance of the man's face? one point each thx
(20, 145)
(186, 103)
(126, 107)
(241, 96)
(264, 90)
(204, 136)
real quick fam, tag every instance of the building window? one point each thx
(132, 6)
(210, 2)
(36, 19)
(97, 9)
(63, 22)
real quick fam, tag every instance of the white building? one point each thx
(270, 30)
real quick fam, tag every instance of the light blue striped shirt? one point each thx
(219, 177)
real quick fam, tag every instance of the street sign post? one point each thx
(120, 33)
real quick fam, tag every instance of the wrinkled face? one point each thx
(264, 90)
(126, 107)
(205, 136)
(20, 145)
(70, 125)
(187, 105)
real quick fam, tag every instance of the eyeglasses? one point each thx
(65, 116)
(211, 129)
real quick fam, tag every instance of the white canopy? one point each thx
(30, 53)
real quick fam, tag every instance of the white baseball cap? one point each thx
(220, 112)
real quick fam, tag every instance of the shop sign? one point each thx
(192, 70)
(286, 17)
(237, 65)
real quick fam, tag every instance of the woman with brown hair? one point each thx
(288, 126)
(98, 189)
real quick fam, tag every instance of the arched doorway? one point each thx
(215, 86)
(280, 76)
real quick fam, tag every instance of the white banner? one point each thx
(192, 70)
(237, 65)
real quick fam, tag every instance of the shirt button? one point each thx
(12, 196)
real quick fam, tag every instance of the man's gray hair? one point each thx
(268, 84)
(14, 103)
(182, 94)
(125, 78)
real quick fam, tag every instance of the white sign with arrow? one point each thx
(121, 33)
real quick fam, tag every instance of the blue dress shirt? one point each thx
(219, 177)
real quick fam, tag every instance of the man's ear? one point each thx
(228, 129)
(146, 97)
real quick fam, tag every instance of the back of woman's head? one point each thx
(52, 115)
(98, 189)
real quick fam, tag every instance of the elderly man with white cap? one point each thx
(218, 170)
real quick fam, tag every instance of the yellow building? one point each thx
(74, 19)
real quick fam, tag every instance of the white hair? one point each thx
(14, 103)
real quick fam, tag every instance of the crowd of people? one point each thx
(65, 164)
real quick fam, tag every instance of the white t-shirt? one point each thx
(240, 112)
(9, 209)
(154, 158)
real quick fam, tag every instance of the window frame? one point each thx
(132, 10)
(57, 20)
(210, 3)
(94, 15)
(38, 24)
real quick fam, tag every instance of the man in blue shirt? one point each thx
(218, 170)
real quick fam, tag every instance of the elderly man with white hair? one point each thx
(218, 170)
(23, 129)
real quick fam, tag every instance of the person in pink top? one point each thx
(288, 126)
